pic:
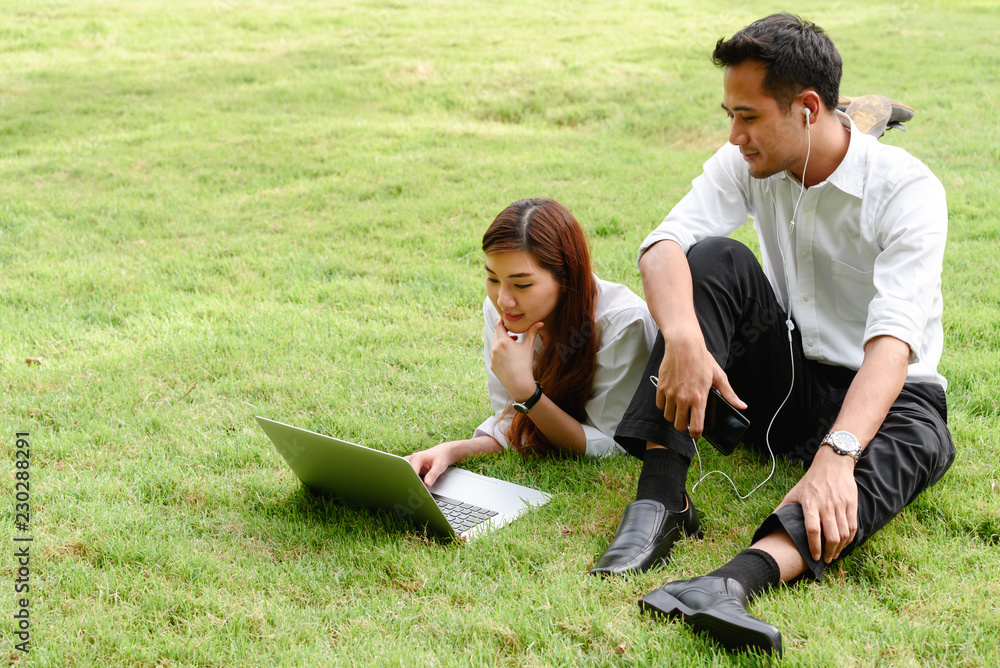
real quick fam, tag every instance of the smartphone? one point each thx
(724, 425)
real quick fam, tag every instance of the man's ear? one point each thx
(811, 102)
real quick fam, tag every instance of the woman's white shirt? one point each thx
(627, 336)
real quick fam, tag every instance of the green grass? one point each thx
(210, 211)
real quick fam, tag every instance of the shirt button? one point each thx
(805, 254)
(810, 342)
(805, 298)
(807, 209)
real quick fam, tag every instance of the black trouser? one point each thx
(745, 330)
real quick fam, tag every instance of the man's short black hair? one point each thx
(796, 55)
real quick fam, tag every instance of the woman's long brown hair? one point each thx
(548, 232)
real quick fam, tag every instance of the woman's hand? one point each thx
(432, 462)
(512, 362)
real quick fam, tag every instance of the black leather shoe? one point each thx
(716, 606)
(645, 537)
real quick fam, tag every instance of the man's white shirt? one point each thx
(862, 259)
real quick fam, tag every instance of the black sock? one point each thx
(663, 476)
(756, 570)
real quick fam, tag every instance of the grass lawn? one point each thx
(215, 210)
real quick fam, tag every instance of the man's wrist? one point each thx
(827, 457)
(843, 443)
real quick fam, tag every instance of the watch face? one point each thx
(844, 443)
(521, 408)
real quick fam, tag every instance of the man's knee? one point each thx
(716, 256)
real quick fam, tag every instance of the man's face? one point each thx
(770, 140)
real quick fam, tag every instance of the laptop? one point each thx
(460, 504)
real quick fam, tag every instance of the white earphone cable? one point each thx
(791, 351)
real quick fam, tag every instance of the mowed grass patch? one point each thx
(211, 212)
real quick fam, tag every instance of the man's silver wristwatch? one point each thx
(525, 406)
(843, 443)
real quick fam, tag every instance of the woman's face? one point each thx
(521, 291)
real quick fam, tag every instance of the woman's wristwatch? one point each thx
(525, 406)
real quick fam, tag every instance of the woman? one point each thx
(564, 350)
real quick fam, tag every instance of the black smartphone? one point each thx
(724, 425)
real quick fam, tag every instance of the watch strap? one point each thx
(843, 443)
(528, 404)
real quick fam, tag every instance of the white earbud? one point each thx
(806, 111)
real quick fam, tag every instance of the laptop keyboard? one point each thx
(462, 516)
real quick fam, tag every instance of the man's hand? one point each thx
(687, 370)
(828, 495)
(686, 374)
(828, 492)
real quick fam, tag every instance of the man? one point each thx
(834, 342)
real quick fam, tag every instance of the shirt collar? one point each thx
(849, 176)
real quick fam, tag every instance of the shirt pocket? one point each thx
(853, 291)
